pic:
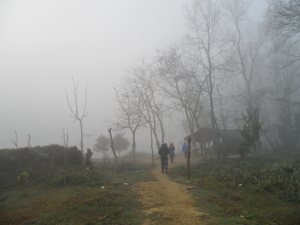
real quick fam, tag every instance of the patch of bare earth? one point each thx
(167, 199)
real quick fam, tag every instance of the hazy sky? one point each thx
(44, 43)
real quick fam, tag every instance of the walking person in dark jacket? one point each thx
(164, 151)
(172, 152)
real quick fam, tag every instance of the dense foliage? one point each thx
(280, 176)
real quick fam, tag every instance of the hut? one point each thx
(205, 135)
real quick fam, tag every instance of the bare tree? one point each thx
(247, 42)
(142, 81)
(75, 111)
(182, 85)
(15, 142)
(129, 114)
(205, 36)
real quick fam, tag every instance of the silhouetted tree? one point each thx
(102, 145)
(120, 143)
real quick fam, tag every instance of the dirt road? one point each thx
(168, 201)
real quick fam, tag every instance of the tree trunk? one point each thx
(212, 118)
(65, 166)
(152, 149)
(133, 146)
(112, 147)
(153, 129)
(81, 136)
(29, 141)
(188, 158)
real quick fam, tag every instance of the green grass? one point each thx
(225, 202)
(83, 203)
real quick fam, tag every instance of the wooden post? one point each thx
(65, 145)
(188, 158)
(112, 147)
(152, 149)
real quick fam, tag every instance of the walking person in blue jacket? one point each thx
(184, 149)
(164, 151)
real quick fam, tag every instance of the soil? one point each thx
(166, 201)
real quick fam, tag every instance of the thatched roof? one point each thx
(206, 134)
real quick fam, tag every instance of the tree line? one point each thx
(226, 72)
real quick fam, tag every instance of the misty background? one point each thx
(44, 43)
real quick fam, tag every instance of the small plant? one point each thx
(23, 177)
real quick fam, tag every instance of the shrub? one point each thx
(39, 162)
(56, 153)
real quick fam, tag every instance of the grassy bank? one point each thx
(262, 190)
(94, 196)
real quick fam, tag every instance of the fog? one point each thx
(43, 44)
(150, 112)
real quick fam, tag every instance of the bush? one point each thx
(42, 163)
(56, 153)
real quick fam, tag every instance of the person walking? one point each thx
(164, 151)
(172, 152)
(184, 149)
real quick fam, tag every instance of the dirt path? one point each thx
(168, 200)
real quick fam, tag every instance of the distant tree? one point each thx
(247, 43)
(120, 143)
(75, 111)
(102, 145)
(129, 114)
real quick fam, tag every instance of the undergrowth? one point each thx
(32, 188)
(263, 190)
(280, 176)
(97, 196)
